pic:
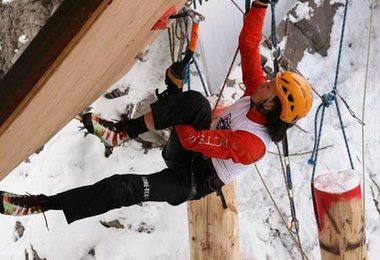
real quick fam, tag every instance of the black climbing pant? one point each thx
(186, 170)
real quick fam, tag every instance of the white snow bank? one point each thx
(337, 182)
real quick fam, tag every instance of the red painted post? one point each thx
(339, 207)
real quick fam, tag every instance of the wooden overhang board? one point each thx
(83, 49)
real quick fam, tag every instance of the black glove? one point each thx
(174, 76)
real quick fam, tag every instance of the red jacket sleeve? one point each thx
(249, 43)
(240, 146)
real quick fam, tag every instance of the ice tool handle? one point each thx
(196, 19)
(195, 16)
(175, 74)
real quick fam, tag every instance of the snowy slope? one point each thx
(69, 160)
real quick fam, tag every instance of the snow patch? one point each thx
(337, 182)
(23, 39)
(303, 11)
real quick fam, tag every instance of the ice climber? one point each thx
(200, 157)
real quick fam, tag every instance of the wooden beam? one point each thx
(84, 48)
(43, 52)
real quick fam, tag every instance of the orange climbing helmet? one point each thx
(294, 93)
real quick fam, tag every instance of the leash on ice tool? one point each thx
(291, 233)
(294, 225)
(285, 146)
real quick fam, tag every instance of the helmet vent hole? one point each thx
(303, 92)
(297, 82)
(290, 98)
(284, 89)
(284, 80)
(291, 107)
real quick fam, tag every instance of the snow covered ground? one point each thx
(158, 230)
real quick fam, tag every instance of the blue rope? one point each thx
(193, 61)
(317, 139)
(336, 84)
(327, 100)
(200, 77)
(187, 77)
(340, 45)
(344, 135)
(314, 157)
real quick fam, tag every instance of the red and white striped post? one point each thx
(339, 208)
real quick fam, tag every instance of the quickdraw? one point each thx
(196, 19)
(294, 224)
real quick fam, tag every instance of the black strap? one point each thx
(216, 184)
(219, 192)
(193, 184)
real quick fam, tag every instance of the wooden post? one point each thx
(214, 231)
(339, 207)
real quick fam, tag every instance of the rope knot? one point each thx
(311, 161)
(328, 98)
